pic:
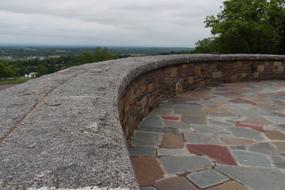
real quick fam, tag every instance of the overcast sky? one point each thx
(105, 22)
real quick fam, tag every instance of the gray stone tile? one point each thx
(240, 147)
(177, 125)
(147, 188)
(183, 164)
(256, 178)
(192, 109)
(151, 121)
(195, 138)
(160, 130)
(247, 133)
(171, 152)
(143, 139)
(209, 129)
(142, 151)
(265, 148)
(207, 178)
(251, 159)
(279, 161)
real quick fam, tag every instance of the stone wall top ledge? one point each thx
(62, 131)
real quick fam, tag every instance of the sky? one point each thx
(155, 23)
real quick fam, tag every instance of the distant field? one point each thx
(15, 81)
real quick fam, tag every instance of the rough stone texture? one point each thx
(63, 130)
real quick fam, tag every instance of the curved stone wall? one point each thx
(147, 90)
(63, 130)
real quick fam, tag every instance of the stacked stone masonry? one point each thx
(148, 90)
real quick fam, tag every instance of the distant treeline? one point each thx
(246, 26)
(18, 68)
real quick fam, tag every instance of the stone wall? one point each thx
(146, 91)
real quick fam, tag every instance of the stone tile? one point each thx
(249, 125)
(147, 188)
(256, 178)
(209, 129)
(171, 117)
(219, 153)
(151, 121)
(260, 121)
(178, 183)
(195, 138)
(177, 125)
(143, 139)
(279, 161)
(242, 101)
(247, 133)
(237, 147)
(189, 119)
(265, 148)
(192, 109)
(160, 130)
(142, 151)
(252, 159)
(236, 141)
(231, 185)
(172, 152)
(172, 141)
(147, 170)
(280, 146)
(219, 123)
(183, 164)
(275, 135)
(207, 178)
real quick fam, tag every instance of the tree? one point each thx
(246, 26)
(6, 70)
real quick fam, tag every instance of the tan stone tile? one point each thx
(172, 141)
(280, 146)
(275, 135)
(237, 141)
(147, 170)
(232, 185)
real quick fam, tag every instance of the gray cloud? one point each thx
(108, 22)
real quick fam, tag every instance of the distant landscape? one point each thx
(19, 63)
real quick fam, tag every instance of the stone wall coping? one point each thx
(62, 130)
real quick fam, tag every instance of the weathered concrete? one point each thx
(62, 131)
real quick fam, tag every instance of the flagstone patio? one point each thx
(228, 137)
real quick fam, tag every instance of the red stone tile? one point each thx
(172, 141)
(249, 125)
(147, 170)
(219, 153)
(170, 117)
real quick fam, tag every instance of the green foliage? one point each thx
(6, 70)
(18, 68)
(246, 26)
